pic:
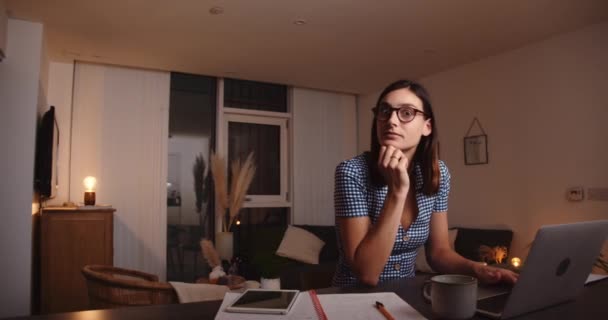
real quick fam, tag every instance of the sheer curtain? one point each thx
(119, 135)
(324, 134)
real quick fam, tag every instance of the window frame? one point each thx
(262, 117)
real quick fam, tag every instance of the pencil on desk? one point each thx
(317, 305)
(383, 310)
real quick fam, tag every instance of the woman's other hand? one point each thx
(392, 164)
(491, 275)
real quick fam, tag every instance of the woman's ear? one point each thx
(428, 127)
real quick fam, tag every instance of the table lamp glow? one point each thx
(516, 262)
(89, 194)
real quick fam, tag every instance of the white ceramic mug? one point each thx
(452, 296)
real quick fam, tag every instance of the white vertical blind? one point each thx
(324, 134)
(119, 135)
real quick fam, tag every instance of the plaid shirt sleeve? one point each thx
(441, 203)
(349, 192)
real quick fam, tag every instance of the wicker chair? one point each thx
(112, 287)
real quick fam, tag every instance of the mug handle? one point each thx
(426, 290)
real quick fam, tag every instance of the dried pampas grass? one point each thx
(210, 254)
(242, 175)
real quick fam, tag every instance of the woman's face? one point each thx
(394, 132)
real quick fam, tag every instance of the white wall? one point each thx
(544, 109)
(19, 78)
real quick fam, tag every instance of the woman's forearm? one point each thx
(446, 260)
(372, 253)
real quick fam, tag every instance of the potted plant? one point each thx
(269, 266)
(228, 205)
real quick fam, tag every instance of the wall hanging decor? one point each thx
(475, 146)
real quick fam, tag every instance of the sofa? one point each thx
(261, 242)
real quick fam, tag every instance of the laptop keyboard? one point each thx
(494, 304)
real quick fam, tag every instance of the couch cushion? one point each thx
(300, 245)
(328, 235)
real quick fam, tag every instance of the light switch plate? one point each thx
(575, 194)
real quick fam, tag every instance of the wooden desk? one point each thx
(589, 305)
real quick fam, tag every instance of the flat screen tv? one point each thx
(47, 138)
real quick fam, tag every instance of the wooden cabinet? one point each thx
(69, 240)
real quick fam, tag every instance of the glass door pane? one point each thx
(192, 124)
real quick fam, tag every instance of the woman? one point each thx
(393, 199)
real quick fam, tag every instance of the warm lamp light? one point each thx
(238, 222)
(516, 262)
(89, 194)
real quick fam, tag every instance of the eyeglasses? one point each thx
(405, 114)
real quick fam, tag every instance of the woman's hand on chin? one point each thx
(392, 164)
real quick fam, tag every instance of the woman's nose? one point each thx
(393, 119)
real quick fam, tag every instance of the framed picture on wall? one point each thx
(476, 149)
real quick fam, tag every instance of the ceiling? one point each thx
(353, 46)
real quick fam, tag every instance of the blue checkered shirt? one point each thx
(356, 196)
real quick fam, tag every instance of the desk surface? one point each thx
(589, 305)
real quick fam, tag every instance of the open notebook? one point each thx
(336, 306)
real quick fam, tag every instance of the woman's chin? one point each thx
(392, 143)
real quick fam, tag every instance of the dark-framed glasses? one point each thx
(405, 113)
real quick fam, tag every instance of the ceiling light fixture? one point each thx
(216, 10)
(299, 22)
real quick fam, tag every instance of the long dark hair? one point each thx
(426, 153)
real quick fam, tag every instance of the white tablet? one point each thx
(264, 301)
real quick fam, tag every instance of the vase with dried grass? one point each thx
(228, 205)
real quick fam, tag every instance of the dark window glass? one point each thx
(254, 95)
(192, 117)
(264, 140)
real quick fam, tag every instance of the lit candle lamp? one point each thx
(516, 262)
(89, 194)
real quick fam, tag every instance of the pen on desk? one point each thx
(383, 310)
(317, 305)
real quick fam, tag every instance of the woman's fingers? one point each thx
(491, 275)
(381, 155)
(388, 156)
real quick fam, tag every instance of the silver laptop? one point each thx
(555, 271)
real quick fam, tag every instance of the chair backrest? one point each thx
(112, 287)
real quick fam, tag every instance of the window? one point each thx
(267, 138)
(252, 95)
(255, 118)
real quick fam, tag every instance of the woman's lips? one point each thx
(390, 135)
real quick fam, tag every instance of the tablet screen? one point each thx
(264, 300)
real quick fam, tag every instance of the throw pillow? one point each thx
(301, 245)
(421, 264)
